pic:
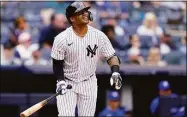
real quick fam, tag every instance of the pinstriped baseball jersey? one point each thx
(80, 54)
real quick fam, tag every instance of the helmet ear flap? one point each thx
(90, 16)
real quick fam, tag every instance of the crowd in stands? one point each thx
(137, 30)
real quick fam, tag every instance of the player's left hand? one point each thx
(116, 80)
(62, 87)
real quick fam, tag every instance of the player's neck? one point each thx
(80, 30)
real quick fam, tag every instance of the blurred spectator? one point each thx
(134, 52)
(165, 91)
(3, 3)
(36, 59)
(154, 57)
(24, 49)
(166, 44)
(110, 33)
(117, 11)
(150, 27)
(183, 51)
(136, 4)
(119, 31)
(46, 16)
(174, 14)
(179, 5)
(155, 4)
(58, 24)
(183, 46)
(7, 55)
(46, 52)
(145, 4)
(2, 49)
(105, 13)
(60, 6)
(51, 7)
(113, 9)
(113, 105)
(20, 25)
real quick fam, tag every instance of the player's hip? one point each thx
(87, 86)
(79, 77)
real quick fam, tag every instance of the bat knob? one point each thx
(69, 87)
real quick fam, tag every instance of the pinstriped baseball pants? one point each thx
(82, 94)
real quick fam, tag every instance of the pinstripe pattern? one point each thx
(84, 94)
(80, 66)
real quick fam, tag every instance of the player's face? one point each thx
(114, 104)
(165, 92)
(81, 17)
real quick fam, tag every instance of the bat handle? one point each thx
(68, 87)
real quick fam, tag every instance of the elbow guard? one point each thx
(115, 56)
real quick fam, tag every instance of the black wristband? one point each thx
(115, 68)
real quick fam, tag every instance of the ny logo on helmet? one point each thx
(91, 51)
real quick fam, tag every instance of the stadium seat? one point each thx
(146, 42)
(35, 35)
(173, 14)
(144, 53)
(45, 53)
(4, 33)
(176, 40)
(122, 55)
(183, 59)
(12, 4)
(37, 24)
(162, 20)
(122, 41)
(31, 15)
(132, 28)
(136, 16)
(173, 57)
(32, 5)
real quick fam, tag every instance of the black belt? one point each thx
(83, 80)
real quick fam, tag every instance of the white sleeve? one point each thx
(58, 49)
(106, 47)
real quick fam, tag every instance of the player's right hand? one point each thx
(61, 86)
(116, 80)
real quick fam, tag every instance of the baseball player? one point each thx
(166, 91)
(113, 106)
(75, 53)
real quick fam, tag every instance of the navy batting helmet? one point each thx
(76, 7)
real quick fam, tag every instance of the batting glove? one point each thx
(61, 86)
(116, 80)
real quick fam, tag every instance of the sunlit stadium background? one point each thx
(149, 37)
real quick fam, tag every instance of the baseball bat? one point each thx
(41, 104)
